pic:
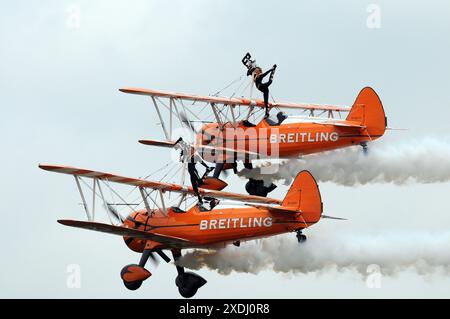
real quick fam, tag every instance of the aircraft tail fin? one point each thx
(304, 196)
(368, 110)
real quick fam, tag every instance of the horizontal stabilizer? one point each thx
(275, 209)
(331, 217)
(396, 129)
(344, 124)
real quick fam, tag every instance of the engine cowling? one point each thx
(136, 220)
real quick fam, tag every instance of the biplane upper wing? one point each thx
(233, 100)
(123, 231)
(155, 185)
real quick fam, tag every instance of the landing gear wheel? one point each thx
(188, 283)
(301, 238)
(134, 285)
(187, 293)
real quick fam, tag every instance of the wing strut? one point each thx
(80, 190)
(144, 198)
(161, 119)
(163, 203)
(105, 204)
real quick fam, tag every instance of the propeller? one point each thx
(114, 213)
(184, 119)
(191, 127)
(149, 254)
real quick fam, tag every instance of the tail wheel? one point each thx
(301, 239)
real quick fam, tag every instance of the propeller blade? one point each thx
(146, 255)
(189, 124)
(153, 257)
(113, 211)
(163, 256)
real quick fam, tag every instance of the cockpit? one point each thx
(210, 204)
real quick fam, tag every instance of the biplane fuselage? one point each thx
(167, 227)
(214, 228)
(285, 140)
(228, 140)
(268, 139)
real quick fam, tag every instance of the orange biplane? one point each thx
(230, 135)
(164, 227)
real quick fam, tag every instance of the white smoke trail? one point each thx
(422, 161)
(424, 253)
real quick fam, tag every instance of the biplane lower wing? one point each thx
(170, 187)
(168, 144)
(123, 231)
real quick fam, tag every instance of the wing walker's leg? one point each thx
(218, 169)
(248, 165)
(187, 282)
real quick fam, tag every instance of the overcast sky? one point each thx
(60, 103)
